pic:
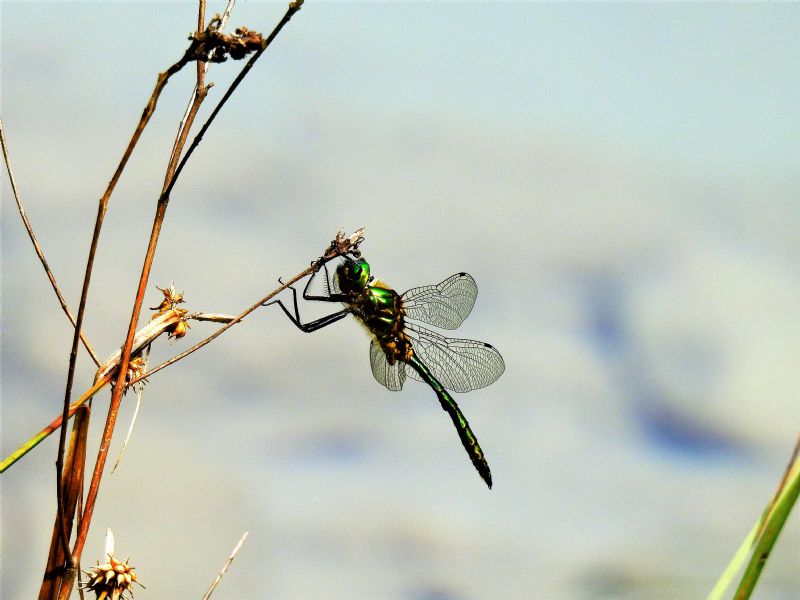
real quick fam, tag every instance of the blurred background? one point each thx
(622, 182)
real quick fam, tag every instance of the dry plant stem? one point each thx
(119, 388)
(113, 409)
(293, 8)
(198, 95)
(225, 567)
(144, 337)
(101, 211)
(226, 14)
(224, 328)
(340, 246)
(72, 484)
(200, 84)
(36, 245)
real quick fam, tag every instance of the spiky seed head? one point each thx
(111, 580)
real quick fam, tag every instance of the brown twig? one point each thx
(340, 246)
(23, 215)
(198, 95)
(294, 6)
(119, 388)
(73, 478)
(144, 337)
(148, 111)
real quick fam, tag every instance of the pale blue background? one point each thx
(621, 180)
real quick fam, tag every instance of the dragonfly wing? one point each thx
(460, 365)
(445, 305)
(391, 376)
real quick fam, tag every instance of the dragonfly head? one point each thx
(352, 275)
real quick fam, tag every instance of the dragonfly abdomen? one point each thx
(468, 438)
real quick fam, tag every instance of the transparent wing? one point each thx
(391, 376)
(459, 365)
(445, 305)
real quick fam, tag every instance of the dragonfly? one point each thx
(401, 348)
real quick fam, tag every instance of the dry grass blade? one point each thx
(144, 337)
(195, 52)
(139, 391)
(341, 245)
(23, 215)
(225, 567)
(73, 479)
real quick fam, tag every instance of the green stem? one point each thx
(736, 563)
(37, 439)
(762, 536)
(771, 529)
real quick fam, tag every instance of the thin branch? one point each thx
(202, 68)
(119, 388)
(198, 95)
(340, 246)
(224, 569)
(225, 327)
(294, 6)
(144, 337)
(36, 245)
(148, 111)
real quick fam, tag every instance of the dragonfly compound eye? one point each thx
(361, 273)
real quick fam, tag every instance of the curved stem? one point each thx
(37, 248)
(119, 388)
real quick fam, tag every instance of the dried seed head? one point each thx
(171, 299)
(136, 367)
(111, 580)
(178, 330)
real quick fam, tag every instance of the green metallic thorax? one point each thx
(378, 307)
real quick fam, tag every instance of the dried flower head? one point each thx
(136, 367)
(111, 580)
(171, 300)
(178, 330)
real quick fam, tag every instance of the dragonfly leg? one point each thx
(312, 325)
(330, 297)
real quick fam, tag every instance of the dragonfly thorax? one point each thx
(380, 310)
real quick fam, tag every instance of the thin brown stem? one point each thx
(116, 398)
(23, 215)
(339, 246)
(198, 95)
(148, 111)
(225, 327)
(225, 567)
(119, 388)
(293, 8)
